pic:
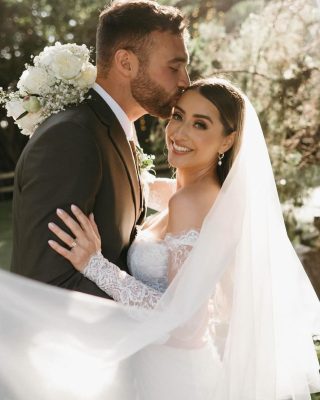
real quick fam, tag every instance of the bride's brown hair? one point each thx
(229, 101)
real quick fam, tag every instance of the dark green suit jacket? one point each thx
(79, 156)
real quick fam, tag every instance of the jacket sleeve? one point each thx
(62, 166)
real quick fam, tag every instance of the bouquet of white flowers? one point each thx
(61, 75)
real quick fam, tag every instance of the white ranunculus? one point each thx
(65, 65)
(14, 108)
(87, 76)
(34, 80)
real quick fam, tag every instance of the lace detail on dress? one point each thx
(151, 259)
(121, 286)
(179, 247)
(148, 260)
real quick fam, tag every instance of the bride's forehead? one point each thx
(194, 102)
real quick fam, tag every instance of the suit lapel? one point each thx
(119, 141)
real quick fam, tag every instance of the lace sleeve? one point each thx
(179, 247)
(128, 290)
(121, 286)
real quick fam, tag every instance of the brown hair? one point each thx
(128, 24)
(229, 101)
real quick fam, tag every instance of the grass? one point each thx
(5, 233)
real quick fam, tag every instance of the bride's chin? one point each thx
(172, 162)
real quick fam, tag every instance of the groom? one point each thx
(85, 155)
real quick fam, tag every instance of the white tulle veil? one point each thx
(58, 344)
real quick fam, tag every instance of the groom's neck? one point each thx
(120, 91)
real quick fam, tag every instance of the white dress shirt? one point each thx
(122, 117)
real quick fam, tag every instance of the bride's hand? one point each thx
(86, 241)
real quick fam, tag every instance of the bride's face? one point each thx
(195, 135)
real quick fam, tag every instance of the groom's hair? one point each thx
(128, 24)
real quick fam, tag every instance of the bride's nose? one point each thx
(180, 131)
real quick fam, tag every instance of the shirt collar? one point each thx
(122, 117)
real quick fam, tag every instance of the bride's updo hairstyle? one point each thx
(230, 103)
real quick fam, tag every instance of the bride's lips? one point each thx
(179, 149)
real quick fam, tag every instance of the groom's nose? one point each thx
(184, 80)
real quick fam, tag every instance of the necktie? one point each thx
(134, 153)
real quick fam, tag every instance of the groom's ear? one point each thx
(126, 63)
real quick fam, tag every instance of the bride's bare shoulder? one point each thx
(189, 206)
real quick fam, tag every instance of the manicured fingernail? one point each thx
(73, 207)
(50, 242)
(51, 225)
(59, 211)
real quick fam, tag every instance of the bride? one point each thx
(218, 305)
(202, 138)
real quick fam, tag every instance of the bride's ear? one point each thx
(126, 62)
(228, 142)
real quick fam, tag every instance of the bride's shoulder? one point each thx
(189, 206)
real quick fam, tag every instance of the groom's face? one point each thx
(162, 77)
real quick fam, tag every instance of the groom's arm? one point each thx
(61, 167)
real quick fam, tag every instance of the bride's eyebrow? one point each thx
(179, 109)
(203, 117)
(194, 115)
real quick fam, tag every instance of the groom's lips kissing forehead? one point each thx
(175, 98)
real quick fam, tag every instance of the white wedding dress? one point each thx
(181, 362)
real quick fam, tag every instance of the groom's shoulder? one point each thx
(77, 116)
(70, 127)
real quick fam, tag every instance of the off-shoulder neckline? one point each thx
(169, 235)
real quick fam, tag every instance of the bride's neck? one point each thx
(188, 178)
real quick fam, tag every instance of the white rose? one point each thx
(15, 108)
(29, 123)
(87, 76)
(65, 65)
(81, 52)
(34, 80)
(45, 58)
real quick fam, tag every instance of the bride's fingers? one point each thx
(60, 250)
(67, 239)
(77, 256)
(70, 223)
(94, 225)
(81, 217)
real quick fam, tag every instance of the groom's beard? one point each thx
(152, 97)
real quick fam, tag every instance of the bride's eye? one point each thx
(200, 125)
(176, 116)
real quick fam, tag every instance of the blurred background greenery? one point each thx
(270, 48)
